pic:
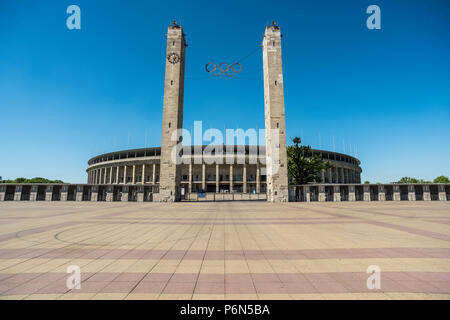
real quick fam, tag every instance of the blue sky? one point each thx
(67, 95)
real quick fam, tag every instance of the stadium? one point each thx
(142, 167)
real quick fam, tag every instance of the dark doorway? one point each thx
(359, 193)
(419, 192)
(148, 195)
(329, 193)
(314, 193)
(300, 194)
(41, 193)
(373, 193)
(71, 193)
(344, 193)
(117, 193)
(434, 193)
(389, 193)
(9, 193)
(403, 193)
(86, 193)
(132, 194)
(101, 193)
(25, 195)
(447, 192)
(56, 193)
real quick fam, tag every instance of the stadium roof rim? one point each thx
(154, 150)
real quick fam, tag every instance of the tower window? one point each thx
(276, 82)
(170, 124)
(273, 43)
(173, 43)
(278, 124)
(171, 82)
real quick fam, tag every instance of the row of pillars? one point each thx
(111, 175)
(319, 193)
(78, 193)
(341, 175)
(230, 181)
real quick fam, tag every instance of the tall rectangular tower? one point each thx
(276, 155)
(170, 171)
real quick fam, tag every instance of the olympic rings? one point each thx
(223, 68)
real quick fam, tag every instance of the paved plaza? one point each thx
(225, 250)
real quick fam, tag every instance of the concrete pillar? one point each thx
(18, 193)
(170, 172)
(231, 178)
(336, 193)
(125, 175)
(110, 175)
(154, 174)
(323, 176)
(322, 195)
(244, 173)
(124, 194)
(117, 174)
(105, 178)
(307, 193)
(411, 193)
(351, 193)
(203, 176)
(396, 193)
(442, 194)
(143, 175)
(258, 179)
(2, 193)
(426, 193)
(381, 193)
(133, 178)
(275, 124)
(140, 194)
(190, 178)
(94, 194)
(33, 193)
(64, 190)
(217, 178)
(330, 175)
(79, 193)
(366, 193)
(48, 193)
(109, 193)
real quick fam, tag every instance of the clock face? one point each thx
(173, 58)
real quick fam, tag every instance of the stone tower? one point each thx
(276, 156)
(170, 171)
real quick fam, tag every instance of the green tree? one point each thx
(303, 167)
(33, 180)
(441, 179)
(408, 180)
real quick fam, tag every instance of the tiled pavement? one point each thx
(225, 250)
